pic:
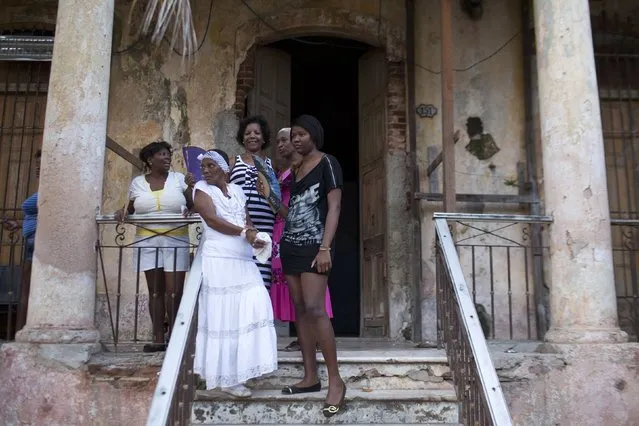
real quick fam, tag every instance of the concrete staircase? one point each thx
(386, 385)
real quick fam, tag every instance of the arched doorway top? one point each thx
(341, 23)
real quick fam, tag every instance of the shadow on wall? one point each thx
(481, 145)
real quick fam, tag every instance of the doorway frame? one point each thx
(404, 299)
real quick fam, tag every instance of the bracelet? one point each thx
(245, 230)
(324, 248)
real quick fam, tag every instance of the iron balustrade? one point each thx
(23, 97)
(12, 271)
(123, 308)
(507, 271)
(625, 257)
(459, 331)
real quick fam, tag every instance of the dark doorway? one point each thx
(324, 83)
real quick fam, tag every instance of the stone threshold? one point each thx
(351, 351)
(276, 395)
(392, 356)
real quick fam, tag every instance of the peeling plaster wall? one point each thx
(492, 91)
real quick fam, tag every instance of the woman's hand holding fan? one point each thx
(267, 184)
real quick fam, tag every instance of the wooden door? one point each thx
(271, 95)
(372, 170)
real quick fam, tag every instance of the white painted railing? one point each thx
(460, 332)
(175, 391)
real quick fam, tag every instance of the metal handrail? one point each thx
(134, 219)
(488, 217)
(182, 337)
(468, 332)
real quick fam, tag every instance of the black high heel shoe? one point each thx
(292, 390)
(330, 410)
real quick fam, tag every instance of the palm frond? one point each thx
(170, 16)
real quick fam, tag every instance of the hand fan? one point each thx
(190, 159)
(267, 177)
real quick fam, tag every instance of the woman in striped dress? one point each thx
(254, 135)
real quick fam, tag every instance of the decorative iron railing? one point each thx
(13, 283)
(625, 255)
(26, 48)
(505, 261)
(128, 297)
(460, 332)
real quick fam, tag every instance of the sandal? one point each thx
(294, 346)
(154, 347)
(330, 410)
(292, 390)
(238, 391)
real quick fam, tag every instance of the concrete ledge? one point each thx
(352, 395)
(52, 385)
(581, 336)
(581, 385)
(306, 410)
(398, 356)
(58, 335)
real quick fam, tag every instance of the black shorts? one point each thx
(297, 260)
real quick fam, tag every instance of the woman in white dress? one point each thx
(236, 339)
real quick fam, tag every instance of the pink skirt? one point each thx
(283, 309)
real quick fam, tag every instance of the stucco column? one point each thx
(583, 306)
(62, 298)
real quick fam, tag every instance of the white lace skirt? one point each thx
(236, 339)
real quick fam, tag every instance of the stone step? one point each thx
(378, 370)
(396, 406)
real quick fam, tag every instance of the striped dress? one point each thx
(259, 209)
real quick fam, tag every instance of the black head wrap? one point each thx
(313, 127)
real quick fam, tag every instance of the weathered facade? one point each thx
(523, 131)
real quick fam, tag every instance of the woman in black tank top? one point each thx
(305, 250)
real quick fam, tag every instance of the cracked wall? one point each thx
(489, 114)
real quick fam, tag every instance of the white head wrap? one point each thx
(216, 158)
(284, 130)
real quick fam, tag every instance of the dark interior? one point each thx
(324, 83)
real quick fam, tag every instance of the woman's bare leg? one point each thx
(156, 285)
(305, 333)
(314, 293)
(174, 288)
